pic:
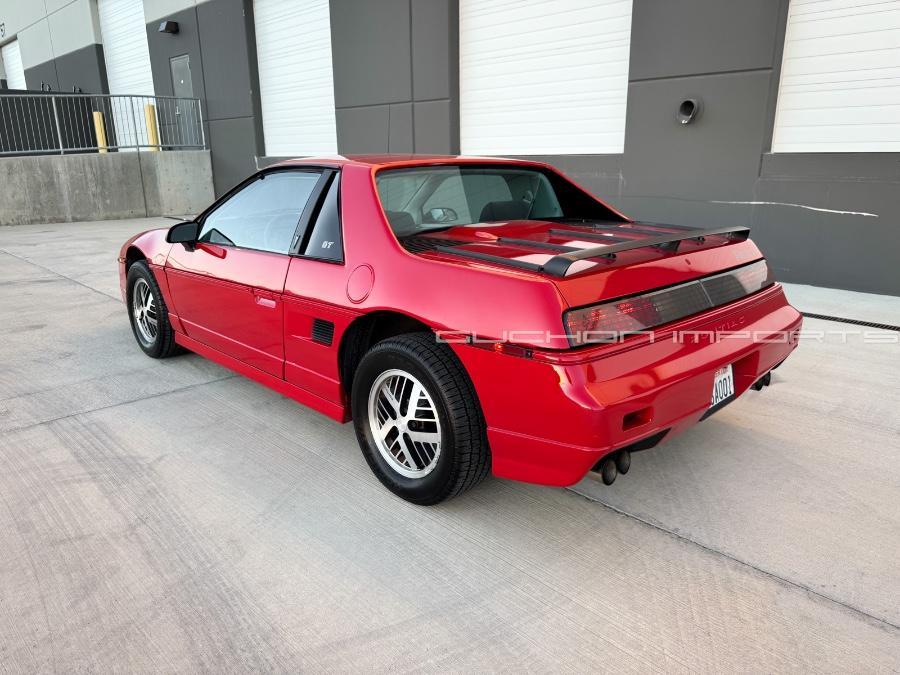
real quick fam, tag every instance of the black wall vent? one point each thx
(322, 331)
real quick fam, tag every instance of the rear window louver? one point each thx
(423, 244)
(559, 265)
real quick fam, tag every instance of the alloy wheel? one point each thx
(143, 312)
(404, 423)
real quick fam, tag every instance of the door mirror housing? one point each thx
(183, 233)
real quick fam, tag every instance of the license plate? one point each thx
(723, 386)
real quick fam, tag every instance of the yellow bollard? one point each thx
(152, 131)
(100, 131)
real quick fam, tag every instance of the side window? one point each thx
(325, 242)
(264, 215)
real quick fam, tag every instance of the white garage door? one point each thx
(12, 64)
(125, 47)
(540, 77)
(840, 78)
(296, 87)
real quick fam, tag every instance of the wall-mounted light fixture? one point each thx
(170, 27)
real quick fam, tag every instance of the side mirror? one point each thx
(442, 215)
(183, 233)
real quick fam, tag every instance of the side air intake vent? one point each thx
(322, 331)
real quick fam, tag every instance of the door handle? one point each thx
(265, 298)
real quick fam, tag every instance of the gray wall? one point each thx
(82, 70)
(59, 42)
(66, 188)
(728, 54)
(396, 84)
(219, 38)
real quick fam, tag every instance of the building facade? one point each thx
(780, 114)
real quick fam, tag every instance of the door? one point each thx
(12, 64)
(179, 130)
(543, 78)
(839, 89)
(296, 88)
(127, 56)
(182, 84)
(227, 289)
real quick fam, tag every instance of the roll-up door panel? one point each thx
(12, 65)
(542, 77)
(296, 86)
(840, 78)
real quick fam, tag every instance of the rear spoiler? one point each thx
(558, 265)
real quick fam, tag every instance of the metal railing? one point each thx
(36, 124)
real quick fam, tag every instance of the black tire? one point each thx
(163, 344)
(464, 458)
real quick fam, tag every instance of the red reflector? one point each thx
(513, 350)
(505, 348)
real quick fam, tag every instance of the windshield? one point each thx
(424, 199)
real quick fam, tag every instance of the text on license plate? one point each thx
(723, 385)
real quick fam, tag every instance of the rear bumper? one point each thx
(552, 417)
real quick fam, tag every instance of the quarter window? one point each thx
(325, 241)
(264, 214)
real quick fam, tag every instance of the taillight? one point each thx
(610, 321)
(724, 288)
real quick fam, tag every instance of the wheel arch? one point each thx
(368, 330)
(132, 255)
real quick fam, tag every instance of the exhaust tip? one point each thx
(619, 462)
(623, 461)
(608, 471)
(764, 381)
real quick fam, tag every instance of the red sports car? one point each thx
(470, 315)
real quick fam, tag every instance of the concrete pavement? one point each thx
(168, 515)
